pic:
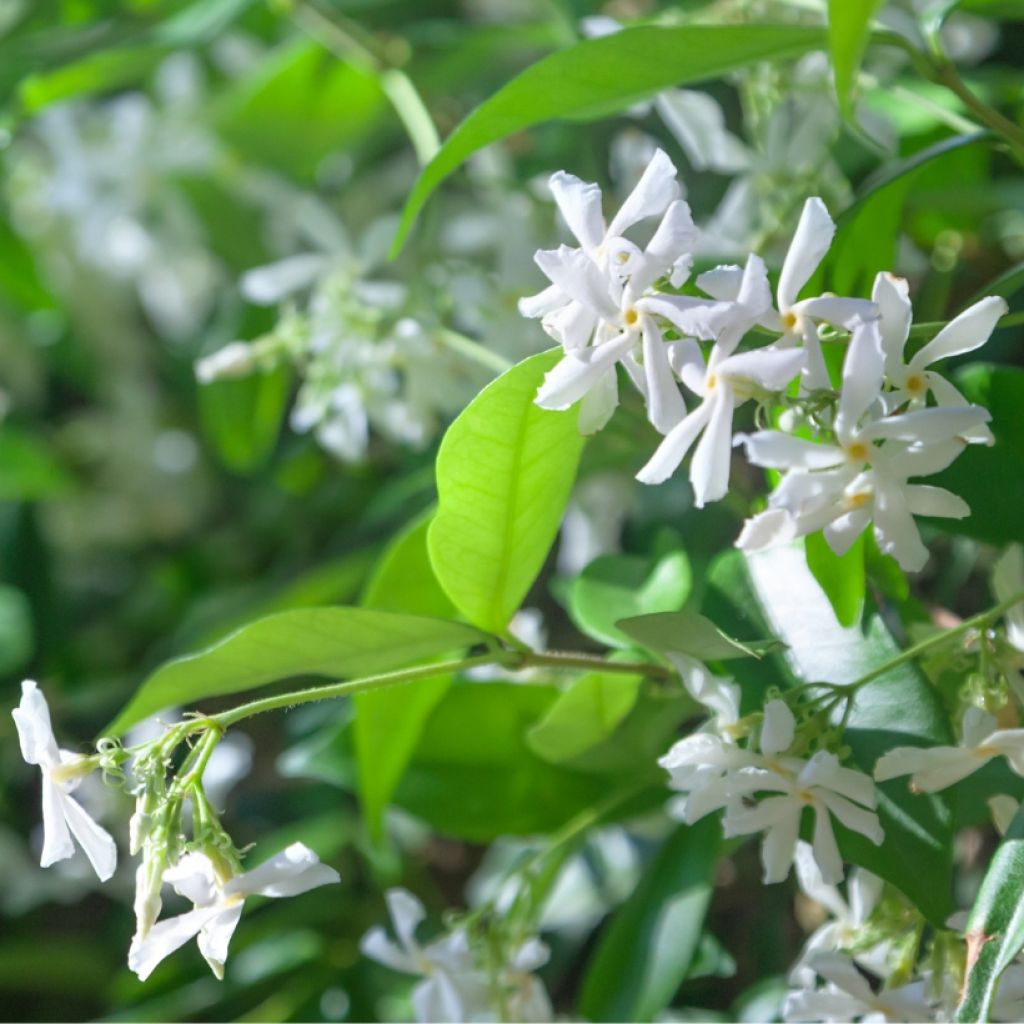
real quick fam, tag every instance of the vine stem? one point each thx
(495, 657)
(978, 621)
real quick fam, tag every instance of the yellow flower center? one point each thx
(789, 320)
(631, 317)
(857, 500)
(711, 383)
(915, 383)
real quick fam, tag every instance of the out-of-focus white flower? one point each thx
(849, 915)
(935, 768)
(912, 381)
(1008, 580)
(233, 360)
(63, 816)
(840, 487)
(218, 903)
(797, 319)
(715, 774)
(718, 694)
(455, 986)
(847, 996)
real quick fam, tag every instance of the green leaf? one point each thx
(995, 928)
(504, 474)
(774, 589)
(17, 633)
(28, 470)
(389, 722)
(615, 587)
(687, 632)
(645, 953)
(990, 480)
(332, 642)
(242, 417)
(597, 77)
(474, 777)
(841, 577)
(849, 24)
(585, 714)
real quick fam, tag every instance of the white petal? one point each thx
(826, 850)
(924, 500)
(970, 330)
(294, 870)
(773, 526)
(407, 913)
(809, 876)
(97, 842)
(672, 450)
(863, 373)
(776, 450)
(722, 283)
(754, 291)
(665, 406)
(579, 277)
(274, 282)
(779, 846)
(865, 891)
(924, 460)
(976, 726)
(675, 237)
(543, 303)
(656, 188)
(35, 733)
(57, 844)
(890, 295)
(855, 818)
(932, 768)
(377, 946)
(580, 204)
(843, 531)
(947, 395)
(599, 404)
(927, 426)
(810, 243)
(709, 468)
(580, 370)
(215, 937)
(845, 313)
(895, 531)
(698, 124)
(771, 368)
(194, 878)
(1010, 743)
(165, 937)
(773, 810)
(779, 728)
(695, 318)
(824, 769)
(572, 326)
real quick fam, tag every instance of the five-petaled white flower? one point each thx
(454, 985)
(935, 768)
(598, 307)
(841, 487)
(218, 903)
(847, 996)
(63, 816)
(796, 319)
(912, 381)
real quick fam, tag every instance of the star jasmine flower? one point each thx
(62, 771)
(847, 996)
(597, 305)
(716, 693)
(864, 475)
(797, 319)
(912, 381)
(725, 381)
(935, 768)
(218, 899)
(849, 915)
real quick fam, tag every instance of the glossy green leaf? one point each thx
(688, 632)
(599, 76)
(995, 928)
(504, 474)
(841, 577)
(388, 722)
(473, 775)
(332, 642)
(242, 417)
(990, 480)
(617, 587)
(646, 951)
(900, 708)
(849, 25)
(585, 714)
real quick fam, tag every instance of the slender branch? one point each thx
(978, 621)
(945, 74)
(593, 663)
(471, 349)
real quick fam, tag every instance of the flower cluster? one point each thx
(204, 868)
(846, 454)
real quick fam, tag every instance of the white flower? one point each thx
(725, 381)
(63, 816)
(717, 693)
(847, 996)
(841, 487)
(1008, 580)
(597, 305)
(913, 381)
(218, 903)
(849, 915)
(233, 360)
(797, 319)
(935, 768)
(455, 987)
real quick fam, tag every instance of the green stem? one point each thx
(471, 349)
(944, 73)
(978, 621)
(517, 660)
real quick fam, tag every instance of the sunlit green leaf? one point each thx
(841, 577)
(688, 632)
(849, 23)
